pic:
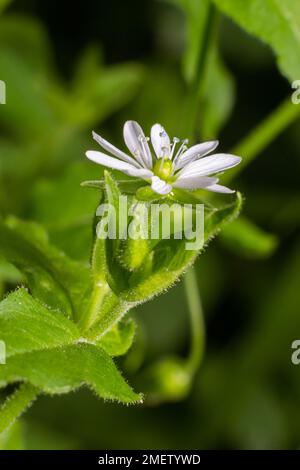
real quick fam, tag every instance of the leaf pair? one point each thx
(44, 345)
(46, 350)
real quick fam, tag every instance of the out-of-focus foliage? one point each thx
(3, 4)
(45, 116)
(58, 203)
(276, 22)
(217, 86)
(246, 393)
(244, 238)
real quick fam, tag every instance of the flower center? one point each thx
(163, 168)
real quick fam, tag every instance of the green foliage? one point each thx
(118, 340)
(60, 370)
(246, 239)
(52, 277)
(15, 405)
(39, 342)
(99, 92)
(27, 325)
(164, 107)
(64, 328)
(39, 329)
(68, 223)
(3, 4)
(27, 37)
(60, 115)
(119, 286)
(13, 438)
(217, 86)
(275, 22)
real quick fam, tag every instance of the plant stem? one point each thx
(262, 135)
(16, 404)
(101, 294)
(197, 321)
(190, 279)
(194, 95)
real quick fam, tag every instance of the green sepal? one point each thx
(118, 340)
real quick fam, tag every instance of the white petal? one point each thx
(160, 141)
(115, 164)
(217, 188)
(160, 186)
(114, 150)
(195, 152)
(210, 165)
(137, 144)
(195, 182)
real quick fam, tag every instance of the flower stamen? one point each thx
(182, 149)
(173, 146)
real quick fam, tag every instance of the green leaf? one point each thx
(16, 404)
(13, 438)
(276, 22)
(51, 276)
(246, 239)
(118, 340)
(63, 369)
(27, 325)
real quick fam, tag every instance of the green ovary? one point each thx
(163, 169)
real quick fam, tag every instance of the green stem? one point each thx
(194, 95)
(112, 310)
(190, 279)
(91, 315)
(196, 319)
(262, 135)
(16, 404)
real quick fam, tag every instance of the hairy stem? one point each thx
(16, 404)
(263, 134)
(92, 313)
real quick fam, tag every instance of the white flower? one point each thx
(174, 165)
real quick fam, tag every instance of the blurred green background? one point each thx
(72, 68)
